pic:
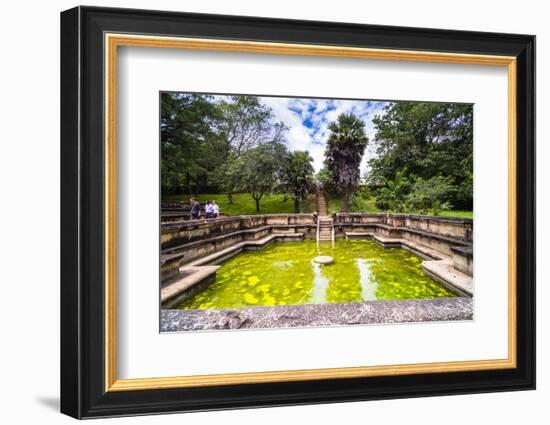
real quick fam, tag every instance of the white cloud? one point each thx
(308, 121)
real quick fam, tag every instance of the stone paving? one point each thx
(368, 312)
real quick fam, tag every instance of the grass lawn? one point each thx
(457, 214)
(244, 204)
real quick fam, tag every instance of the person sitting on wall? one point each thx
(208, 210)
(215, 209)
(195, 209)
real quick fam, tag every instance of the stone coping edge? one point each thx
(167, 226)
(415, 216)
(319, 315)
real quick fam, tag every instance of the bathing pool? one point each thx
(284, 273)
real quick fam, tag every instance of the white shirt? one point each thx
(216, 209)
(208, 208)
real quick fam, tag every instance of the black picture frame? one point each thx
(83, 392)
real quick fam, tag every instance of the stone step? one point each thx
(252, 243)
(444, 272)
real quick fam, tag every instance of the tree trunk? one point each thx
(257, 204)
(230, 198)
(197, 187)
(188, 181)
(296, 205)
(345, 200)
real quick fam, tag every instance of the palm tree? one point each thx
(345, 148)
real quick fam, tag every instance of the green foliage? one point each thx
(363, 201)
(464, 193)
(415, 194)
(297, 178)
(429, 139)
(227, 176)
(325, 177)
(190, 148)
(429, 195)
(393, 194)
(345, 148)
(202, 139)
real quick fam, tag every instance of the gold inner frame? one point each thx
(113, 41)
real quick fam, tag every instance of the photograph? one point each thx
(281, 212)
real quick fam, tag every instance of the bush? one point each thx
(362, 201)
(430, 196)
(416, 194)
(394, 192)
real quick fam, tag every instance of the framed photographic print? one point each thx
(261, 212)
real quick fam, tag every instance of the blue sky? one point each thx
(308, 121)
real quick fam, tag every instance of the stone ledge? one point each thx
(368, 312)
(458, 220)
(170, 292)
(184, 224)
(214, 239)
(466, 251)
(224, 254)
(401, 229)
(450, 277)
(420, 250)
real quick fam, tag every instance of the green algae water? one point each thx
(284, 273)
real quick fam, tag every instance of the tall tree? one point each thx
(248, 123)
(259, 171)
(345, 148)
(298, 176)
(190, 144)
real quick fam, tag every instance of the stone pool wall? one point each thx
(441, 234)
(443, 226)
(186, 241)
(183, 242)
(177, 233)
